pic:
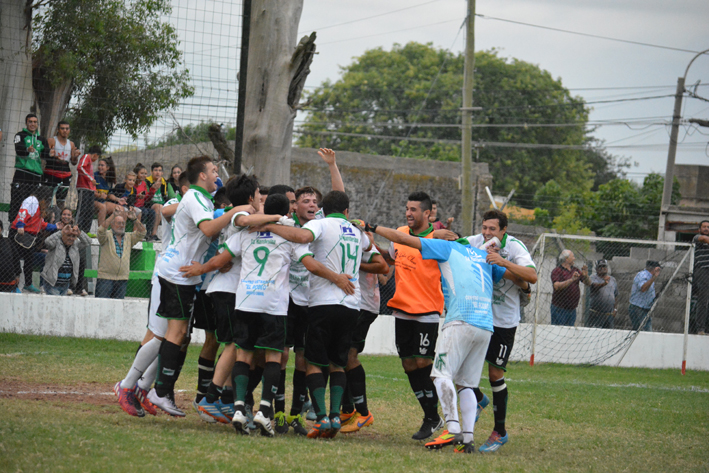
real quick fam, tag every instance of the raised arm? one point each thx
(211, 228)
(395, 236)
(328, 156)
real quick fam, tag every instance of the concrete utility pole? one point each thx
(467, 131)
(672, 152)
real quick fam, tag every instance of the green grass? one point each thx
(560, 418)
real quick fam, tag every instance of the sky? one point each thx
(599, 70)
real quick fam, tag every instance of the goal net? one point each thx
(580, 318)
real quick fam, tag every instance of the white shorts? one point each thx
(460, 354)
(157, 325)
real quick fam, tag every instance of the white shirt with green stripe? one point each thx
(505, 293)
(369, 285)
(338, 245)
(265, 263)
(229, 281)
(299, 277)
(187, 242)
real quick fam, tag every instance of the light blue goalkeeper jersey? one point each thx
(467, 281)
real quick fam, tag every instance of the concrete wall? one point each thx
(693, 181)
(364, 175)
(125, 320)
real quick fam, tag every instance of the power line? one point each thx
(638, 43)
(391, 32)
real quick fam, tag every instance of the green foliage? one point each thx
(189, 134)
(620, 208)
(122, 60)
(381, 90)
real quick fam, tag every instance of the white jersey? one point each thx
(187, 243)
(265, 264)
(229, 281)
(164, 238)
(505, 294)
(62, 151)
(338, 245)
(369, 285)
(299, 277)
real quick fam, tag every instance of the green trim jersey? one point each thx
(265, 264)
(338, 245)
(187, 242)
(229, 281)
(299, 277)
(369, 285)
(505, 294)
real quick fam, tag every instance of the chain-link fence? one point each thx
(594, 294)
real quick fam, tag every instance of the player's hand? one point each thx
(494, 257)
(343, 282)
(444, 234)
(358, 223)
(195, 269)
(327, 155)
(226, 268)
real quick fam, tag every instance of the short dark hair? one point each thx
(276, 204)
(434, 202)
(220, 198)
(196, 166)
(264, 190)
(495, 214)
(423, 198)
(335, 202)
(183, 180)
(280, 189)
(155, 165)
(30, 115)
(318, 197)
(95, 149)
(239, 190)
(305, 190)
(62, 122)
(702, 223)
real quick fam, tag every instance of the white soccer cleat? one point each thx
(166, 403)
(264, 424)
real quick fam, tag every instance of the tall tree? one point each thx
(383, 92)
(116, 62)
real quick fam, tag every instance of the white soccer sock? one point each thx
(148, 378)
(449, 403)
(468, 411)
(146, 355)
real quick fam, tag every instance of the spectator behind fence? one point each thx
(25, 228)
(61, 267)
(62, 151)
(10, 268)
(144, 195)
(30, 150)
(435, 221)
(701, 276)
(642, 295)
(86, 189)
(604, 294)
(125, 191)
(174, 179)
(567, 293)
(105, 178)
(163, 193)
(114, 257)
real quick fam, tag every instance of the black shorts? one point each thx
(359, 335)
(297, 324)
(176, 301)
(204, 316)
(415, 339)
(329, 333)
(258, 330)
(500, 347)
(224, 303)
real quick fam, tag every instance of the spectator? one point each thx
(86, 189)
(30, 150)
(105, 177)
(174, 179)
(567, 293)
(25, 228)
(126, 191)
(65, 218)
(162, 194)
(62, 264)
(144, 195)
(114, 259)
(10, 268)
(642, 295)
(62, 151)
(435, 221)
(604, 293)
(701, 276)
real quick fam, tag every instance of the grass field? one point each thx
(58, 413)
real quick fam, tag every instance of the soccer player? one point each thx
(355, 411)
(193, 228)
(468, 286)
(417, 306)
(333, 303)
(513, 256)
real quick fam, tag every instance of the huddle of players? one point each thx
(264, 315)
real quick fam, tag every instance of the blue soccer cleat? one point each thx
(494, 442)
